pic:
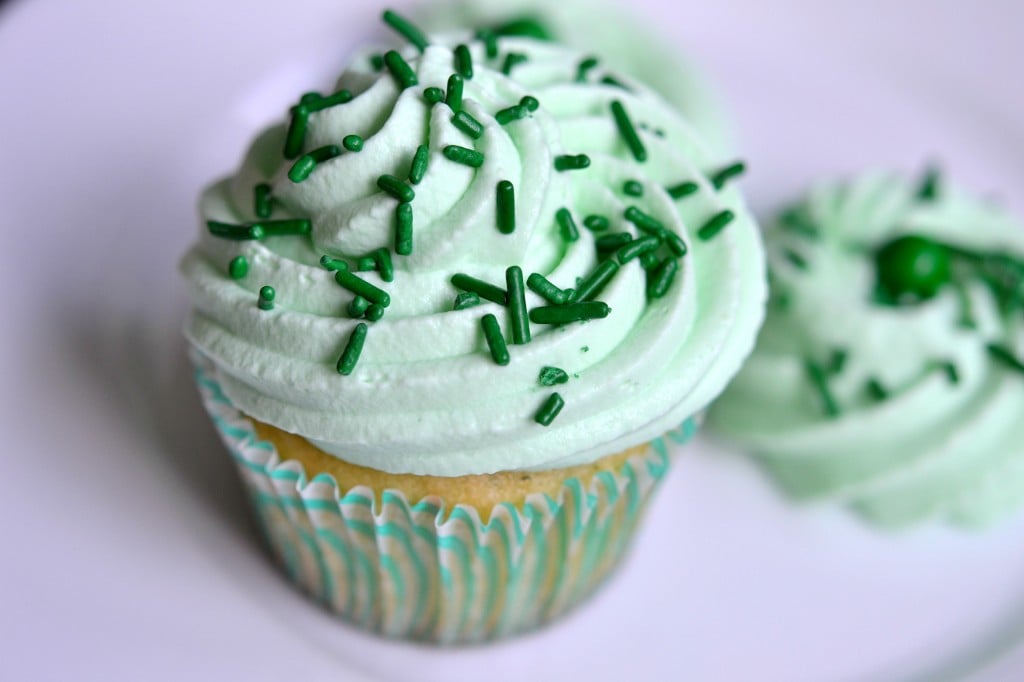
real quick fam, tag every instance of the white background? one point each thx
(128, 553)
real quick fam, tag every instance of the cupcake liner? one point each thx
(420, 571)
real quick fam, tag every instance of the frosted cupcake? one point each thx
(888, 375)
(442, 310)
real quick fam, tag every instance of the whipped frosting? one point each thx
(425, 396)
(925, 418)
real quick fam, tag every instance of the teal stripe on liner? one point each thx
(342, 551)
(397, 532)
(326, 585)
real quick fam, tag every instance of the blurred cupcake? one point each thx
(888, 375)
(441, 311)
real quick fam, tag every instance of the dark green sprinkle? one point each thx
(433, 95)
(490, 41)
(377, 61)
(876, 391)
(419, 164)
(396, 188)
(495, 341)
(354, 347)
(551, 376)
(506, 211)
(466, 299)
(238, 267)
(644, 221)
(586, 65)
(454, 96)
(361, 287)
(282, 228)
(648, 261)
(403, 229)
(952, 374)
(262, 200)
(357, 307)
(930, 184)
(614, 82)
(517, 305)
(661, 278)
(570, 312)
(530, 102)
(795, 220)
(683, 189)
(296, 134)
(406, 29)
(479, 287)
(676, 244)
(511, 60)
(333, 264)
(306, 163)
(366, 263)
(549, 410)
(527, 26)
(637, 247)
(384, 264)
(795, 259)
(594, 282)
(596, 223)
(467, 124)
(837, 361)
(566, 162)
(352, 143)
(400, 70)
(628, 132)
(267, 296)
(720, 177)
(566, 225)
(237, 232)
(715, 225)
(585, 349)
(513, 113)
(467, 157)
(633, 188)
(612, 242)
(1005, 356)
(820, 383)
(375, 312)
(464, 62)
(319, 103)
(540, 285)
(310, 97)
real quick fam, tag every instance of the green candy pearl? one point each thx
(913, 266)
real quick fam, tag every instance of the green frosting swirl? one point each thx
(425, 396)
(908, 406)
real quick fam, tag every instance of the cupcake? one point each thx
(442, 310)
(888, 376)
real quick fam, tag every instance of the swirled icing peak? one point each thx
(888, 374)
(453, 226)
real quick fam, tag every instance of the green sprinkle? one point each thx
(361, 287)
(419, 164)
(530, 102)
(512, 113)
(396, 188)
(282, 228)
(495, 341)
(820, 383)
(466, 299)
(876, 391)
(506, 211)
(585, 349)
(464, 62)
(306, 163)
(517, 305)
(637, 247)
(352, 143)
(467, 124)
(566, 162)
(648, 261)
(454, 97)
(318, 103)
(566, 225)
(951, 372)
(549, 410)
(481, 288)
(333, 264)
(1005, 356)
(570, 312)
(540, 285)
(584, 67)
(628, 132)
(377, 61)
(633, 188)
(467, 157)
(406, 29)
(384, 264)
(676, 244)
(837, 361)
(238, 267)
(354, 347)
(593, 283)
(511, 60)
(400, 70)
(366, 263)
(644, 221)
(433, 95)
(930, 185)
(263, 201)
(490, 41)
(236, 232)
(724, 175)
(296, 134)
(357, 307)
(527, 26)
(795, 220)
(266, 300)
(795, 259)
(614, 82)
(375, 312)
(596, 223)
(552, 376)
(713, 226)
(661, 278)
(683, 189)
(403, 229)
(611, 242)
(310, 97)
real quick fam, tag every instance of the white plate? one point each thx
(128, 553)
